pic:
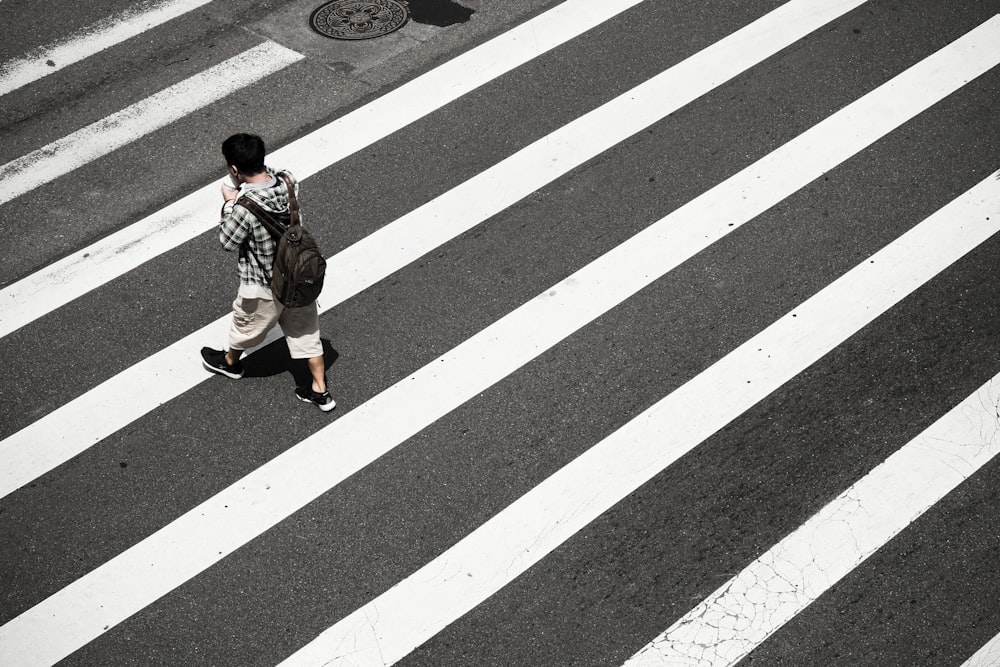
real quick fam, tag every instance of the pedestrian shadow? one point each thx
(274, 359)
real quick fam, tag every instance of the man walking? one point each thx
(255, 310)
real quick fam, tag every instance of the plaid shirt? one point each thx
(240, 230)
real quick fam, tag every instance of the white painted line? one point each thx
(89, 41)
(47, 443)
(987, 656)
(115, 255)
(396, 622)
(137, 120)
(789, 576)
(150, 569)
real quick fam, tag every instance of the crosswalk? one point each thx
(693, 437)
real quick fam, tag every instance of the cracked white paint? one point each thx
(88, 41)
(783, 581)
(504, 547)
(137, 120)
(987, 656)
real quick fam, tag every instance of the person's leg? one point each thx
(252, 320)
(317, 366)
(301, 327)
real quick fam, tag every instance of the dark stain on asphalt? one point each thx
(440, 13)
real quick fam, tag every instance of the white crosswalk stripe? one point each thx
(82, 147)
(91, 40)
(467, 571)
(988, 655)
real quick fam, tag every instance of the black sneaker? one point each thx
(215, 361)
(324, 401)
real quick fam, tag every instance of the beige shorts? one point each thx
(254, 317)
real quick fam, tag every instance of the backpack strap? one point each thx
(293, 202)
(270, 220)
(272, 223)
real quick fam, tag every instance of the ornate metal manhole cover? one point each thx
(359, 19)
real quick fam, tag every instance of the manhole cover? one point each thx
(358, 19)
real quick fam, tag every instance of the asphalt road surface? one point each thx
(662, 332)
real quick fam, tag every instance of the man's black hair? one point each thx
(245, 152)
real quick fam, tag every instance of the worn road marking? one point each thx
(62, 156)
(93, 39)
(47, 443)
(789, 576)
(59, 283)
(988, 655)
(80, 612)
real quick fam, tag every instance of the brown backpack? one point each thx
(299, 267)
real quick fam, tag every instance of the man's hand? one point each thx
(229, 193)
